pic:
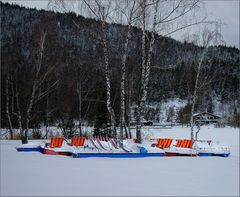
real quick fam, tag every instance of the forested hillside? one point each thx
(73, 53)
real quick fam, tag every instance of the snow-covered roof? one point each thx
(196, 114)
(204, 113)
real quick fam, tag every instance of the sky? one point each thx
(224, 10)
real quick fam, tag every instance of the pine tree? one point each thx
(102, 126)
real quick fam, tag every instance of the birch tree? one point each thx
(7, 106)
(207, 38)
(9, 93)
(164, 18)
(100, 10)
(157, 17)
(38, 91)
(146, 61)
(129, 10)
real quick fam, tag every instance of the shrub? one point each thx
(184, 114)
(36, 134)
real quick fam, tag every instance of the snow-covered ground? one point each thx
(35, 174)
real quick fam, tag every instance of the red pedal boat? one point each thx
(55, 147)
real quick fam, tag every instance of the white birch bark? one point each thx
(7, 108)
(107, 78)
(34, 89)
(146, 63)
(19, 116)
(123, 75)
(195, 93)
(101, 11)
(122, 88)
(208, 36)
(12, 97)
(47, 118)
(139, 109)
(79, 92)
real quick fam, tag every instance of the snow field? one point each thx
(35, 174)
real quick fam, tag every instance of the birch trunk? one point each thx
(29, 110)
(102, 12)
(107, 78)
(123, 81)
(146, 63)
(47, 118)
(128, 108)
(147, 68)
(12, 98)
(139, 109)
(34, 88)
(7, 110)
(19, 116)
(79, 89)
(195, 92)
(123, 73)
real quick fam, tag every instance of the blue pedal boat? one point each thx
(208, 148)
(30, 149)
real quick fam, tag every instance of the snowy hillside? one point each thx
(67, 45)
(158, 112)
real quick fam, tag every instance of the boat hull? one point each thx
(179, 154)
(30, 149)
(52, 152)
(205, 154)
(222, 154)
(213, 152)
(188, 152)
(117, 155)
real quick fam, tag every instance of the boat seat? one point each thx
(77, 141)
(164, 142)
(56, 142)
(184, 143)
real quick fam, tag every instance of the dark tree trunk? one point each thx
(24, 138)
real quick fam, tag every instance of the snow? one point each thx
(32, 173)
(33, 144)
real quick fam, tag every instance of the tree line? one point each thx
(57, 68)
